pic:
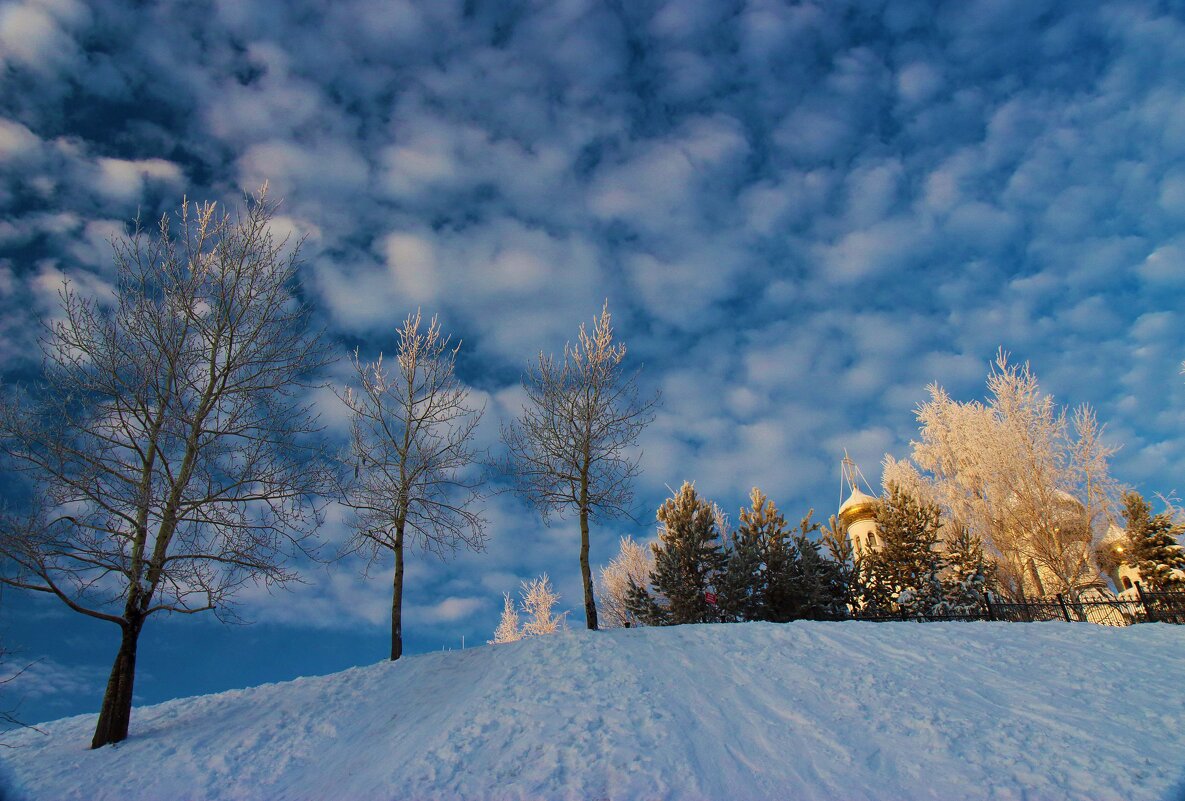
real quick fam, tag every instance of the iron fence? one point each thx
(1144, 607)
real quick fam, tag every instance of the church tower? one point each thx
(857, 514)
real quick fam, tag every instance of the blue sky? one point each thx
(801, 214)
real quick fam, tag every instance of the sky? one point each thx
(800, 215)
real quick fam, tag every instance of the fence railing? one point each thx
(1145, 607)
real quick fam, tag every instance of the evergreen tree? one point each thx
(968, 575)
(839, 547)
(870, 585)
(1153, 545)
(903, 575)
(689, 561)
(778, 576)
(819, 584)
(758, 582)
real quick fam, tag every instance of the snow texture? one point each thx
(805, 710)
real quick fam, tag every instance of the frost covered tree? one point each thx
(509, 629)
(537, 600)
(1029, 478)
(1154, 545)
(632, 565)
(689, 560)
(166, 441)
(572, 450)
(538, 603)
(411, 438)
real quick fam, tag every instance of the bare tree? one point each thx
(572, 447)
(633, 564)
(166, 439)
(412, 434)
(1028, 477)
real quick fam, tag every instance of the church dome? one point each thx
(858, 506)
(1115, 535)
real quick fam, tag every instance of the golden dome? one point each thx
(858, 506)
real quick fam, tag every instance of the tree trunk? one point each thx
(590, 604)
(397, 601)
(116, 713)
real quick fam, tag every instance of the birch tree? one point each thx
(166, 441)
(572, 448)
(411, 437)
(1031, 479)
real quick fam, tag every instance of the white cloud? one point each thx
(32, 34)
(16, 141)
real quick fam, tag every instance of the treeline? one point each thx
(705, 571)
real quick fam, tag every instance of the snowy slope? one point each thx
(747, 711)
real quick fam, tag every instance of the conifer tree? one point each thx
(903, 575)
(689, 561)
(776, 575)
(840, 553)
(1154, 545)
(757, 583)
(819, 585)
(968, 575)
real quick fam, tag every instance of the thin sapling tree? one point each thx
(572, 450)
(411, 439)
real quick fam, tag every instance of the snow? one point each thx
(745, 711)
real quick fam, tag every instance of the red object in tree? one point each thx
(710, 597)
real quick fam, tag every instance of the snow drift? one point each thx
(745, 711)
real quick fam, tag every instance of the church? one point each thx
(857, 517)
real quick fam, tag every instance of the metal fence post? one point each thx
(1144, 603)
(1065, 611)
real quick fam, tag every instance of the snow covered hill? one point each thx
(746, 711)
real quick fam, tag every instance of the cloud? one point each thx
(36, 34)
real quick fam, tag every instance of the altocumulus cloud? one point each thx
(801, 213)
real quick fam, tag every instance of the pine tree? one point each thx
(1153, 545)
(819, 585)
(968, 575)
(688, 563)
(758, 582)
(903, 575)
(778, 576)
(839, 548)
